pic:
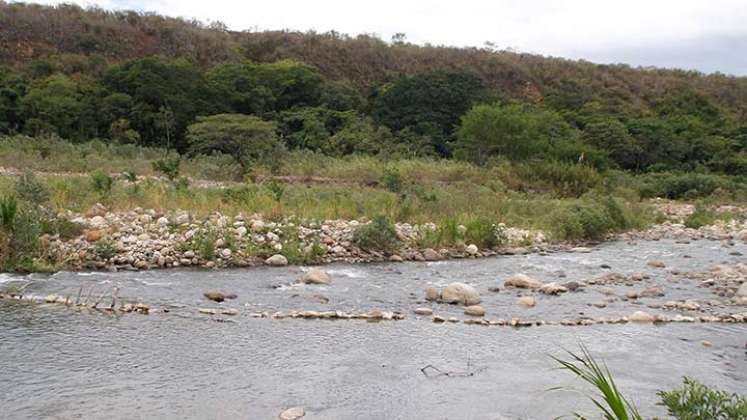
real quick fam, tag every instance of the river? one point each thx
(64, 363)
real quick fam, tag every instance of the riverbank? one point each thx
(143, 239)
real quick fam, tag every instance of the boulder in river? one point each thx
(523, 281)
(432, 293)
(277, 260)
(572, 285)
(423, 311)
(552, 289)
(640, 316)
(292, 413)
(460, 293)
(656, 264)
(528, 301)
(474, 310)
(315, 276)
(215, 295)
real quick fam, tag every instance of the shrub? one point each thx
(379, 235)
(685, 185)
(702, 216)
(105, 249)
(392, 180)
(695, 401)
(482, 233)
(593, 220)
(19, 241)
(62, 227)
(169, 167)
(31, 190)
(8, 210)
(101, 182)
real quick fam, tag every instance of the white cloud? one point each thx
(591, 29)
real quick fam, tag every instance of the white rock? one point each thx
(182, 218)
(162, 221)
(528, 301)
(225, 253)
(474, 310)
(472, 249)
(742, 291)
(423, 311)
(552, 289)
(240, 231)
(98, 221)
(257, 226)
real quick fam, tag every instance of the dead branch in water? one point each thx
(99, 300)
(115, 290)
(452, 374)
(90, 291)
(77, 298)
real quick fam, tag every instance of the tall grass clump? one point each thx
(610, 401)
(378, 235)
(101, 182)
(695, 401)
(483, 233)
(31, 190)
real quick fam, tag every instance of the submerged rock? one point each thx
(528, 301)
(423, 311)
(460, 293)
(656, 264)
(640, 316)
(552, 289)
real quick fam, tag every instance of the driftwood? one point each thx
(434, 372)
(77, 298)
(99, 300)
(115, 290)
(90, 291)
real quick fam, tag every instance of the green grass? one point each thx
(695, 401)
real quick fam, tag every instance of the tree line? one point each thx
(84, 74)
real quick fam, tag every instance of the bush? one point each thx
(379, 235)
(62, 227)
(31, 190)
(586, 220)
(105, 249)
(695, 401)
(483, 234)
(392, 180)
(8, 210)
(702, 216)
(169, 167)
(685, 185)
(101, 182)
(19, 240)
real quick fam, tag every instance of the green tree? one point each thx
(12, 89)
(65, 106)
(612, 137)
(514, 131)
(429, 103)
(166, 96)
(244, 137)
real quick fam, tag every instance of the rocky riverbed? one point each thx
(146, 238)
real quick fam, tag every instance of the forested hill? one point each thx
(636, 117)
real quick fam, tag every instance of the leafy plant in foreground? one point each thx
(613, 405)
(695, 401)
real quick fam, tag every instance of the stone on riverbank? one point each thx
(277, 260)
(552, 289)
(656, 264)
(315, 276)
(472, 249)
(431, 255)
(460, 293)
(522, 281)
(423, 311)
(742, 291)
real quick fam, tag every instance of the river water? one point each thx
(63, 363)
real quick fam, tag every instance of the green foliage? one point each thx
(101, 182)
(681, 185)
(695, 401)
(29, 189)
(428, 103)
(514, 131)
(276, 189)
(378, 235)
(612, 405)
(246, 138)
(169, 167)
(105, 249)
(392, 180)
(703, 216)
(8, 211)
(593, 219)
(483, 233)
(64, 228)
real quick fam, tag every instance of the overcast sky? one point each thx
(694, 34)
